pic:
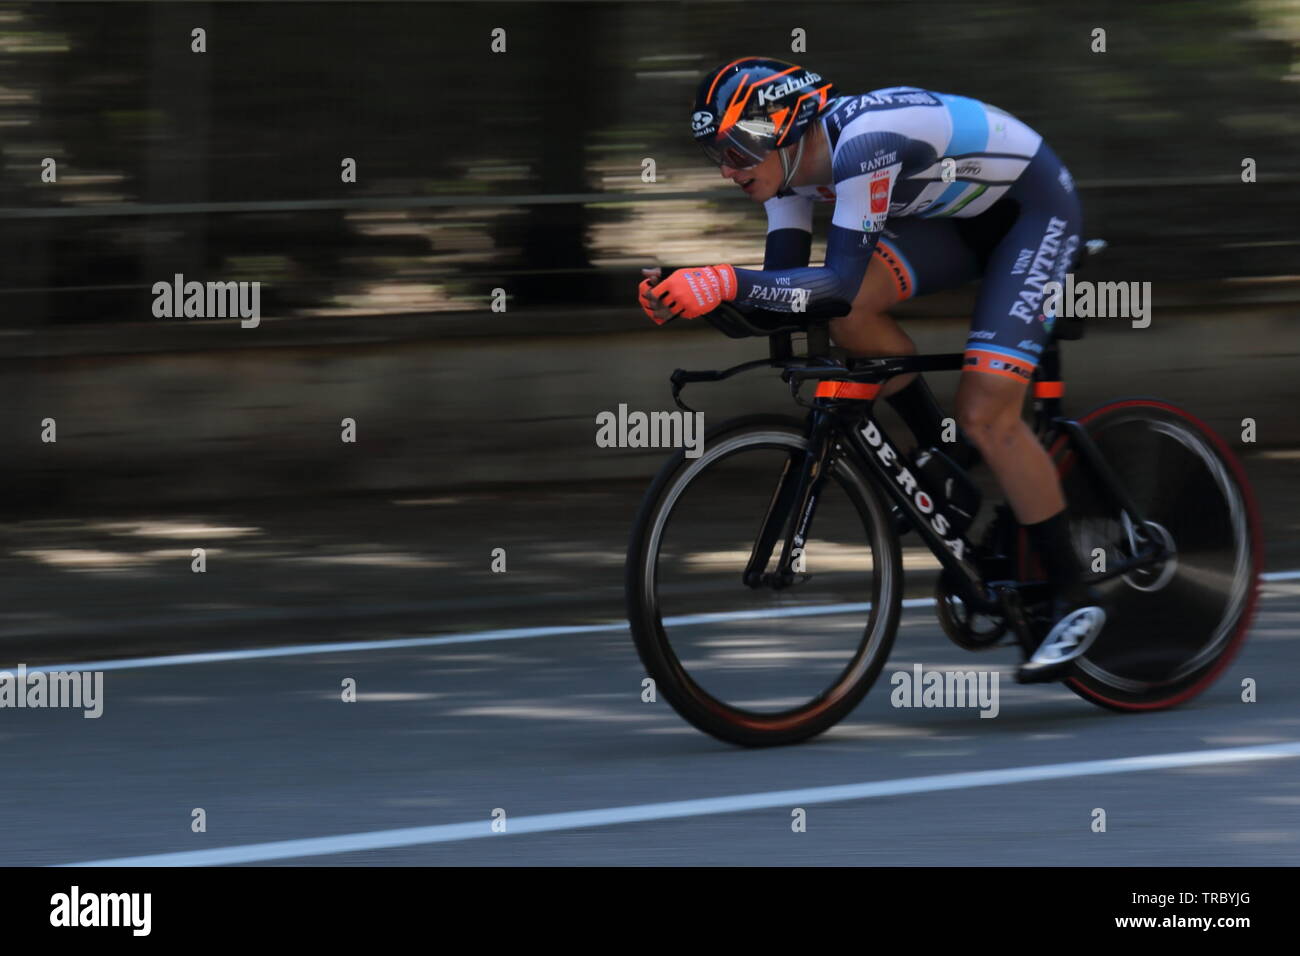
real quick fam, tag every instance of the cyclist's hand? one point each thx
(655, 310)
(693, 292)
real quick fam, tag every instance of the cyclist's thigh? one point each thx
(915, 257)
(1009, 330)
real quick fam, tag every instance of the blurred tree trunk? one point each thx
(176, 168)
(576, 103)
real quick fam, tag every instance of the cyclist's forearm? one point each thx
(780, 289)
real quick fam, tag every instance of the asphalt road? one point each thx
(547, 718)
(445, 734)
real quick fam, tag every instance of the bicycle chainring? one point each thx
(971, 632)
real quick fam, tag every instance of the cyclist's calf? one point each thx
(989, 412)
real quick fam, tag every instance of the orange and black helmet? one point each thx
(754, 105)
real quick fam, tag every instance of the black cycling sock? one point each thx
(1051, 539)
(920, 412)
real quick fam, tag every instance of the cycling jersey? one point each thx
(942, 189)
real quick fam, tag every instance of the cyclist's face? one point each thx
(760, 182)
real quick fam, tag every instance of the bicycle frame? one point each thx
(838, 425)
(850, 425)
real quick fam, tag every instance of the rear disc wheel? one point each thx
(1171, 627)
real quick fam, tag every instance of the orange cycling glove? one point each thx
(692, 292)
(647, 305)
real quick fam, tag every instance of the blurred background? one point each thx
(519, 171)
(522, 171)
(475, 429)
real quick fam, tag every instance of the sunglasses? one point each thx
(728, 154)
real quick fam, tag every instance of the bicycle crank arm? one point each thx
(1014, 613)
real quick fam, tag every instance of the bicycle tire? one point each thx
(691, 701)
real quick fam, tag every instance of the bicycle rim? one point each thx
(764, 667)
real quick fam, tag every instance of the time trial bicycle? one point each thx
(764, 578)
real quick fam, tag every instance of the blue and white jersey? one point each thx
(914, 135)
(895, 152)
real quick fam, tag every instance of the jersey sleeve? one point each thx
(865, 168)
(789, 232)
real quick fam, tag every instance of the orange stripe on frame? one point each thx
(856, 390)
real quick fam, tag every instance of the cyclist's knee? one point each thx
(866, 334)
(869, 329)
(988, 409)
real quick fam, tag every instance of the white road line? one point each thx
(740, 803)
(508, 634)
(1279, 576)
(297, 650)
(472, 637)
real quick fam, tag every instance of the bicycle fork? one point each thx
(796, 493)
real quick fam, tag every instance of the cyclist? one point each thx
(931, 190)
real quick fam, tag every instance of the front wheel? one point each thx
(761, 666)
(1172, 627)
